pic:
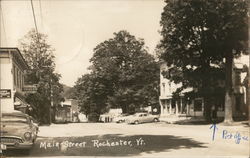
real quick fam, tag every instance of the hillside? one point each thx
(68, 92)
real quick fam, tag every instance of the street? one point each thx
(147, 140)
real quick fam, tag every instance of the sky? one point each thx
(76, 27)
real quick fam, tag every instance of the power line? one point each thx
(34, 16)
(3, 23)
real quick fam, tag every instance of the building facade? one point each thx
(12, 74)
(195, 107)
(67, 111)
(177, 106)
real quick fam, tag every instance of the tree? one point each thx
(91, 95)
(200, 40)
(39, 56)
(122, 75)
(128, 71)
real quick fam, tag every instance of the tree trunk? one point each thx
(229, 89)
(207, 108)
(248, 86)
(176, 108)
(248, 83)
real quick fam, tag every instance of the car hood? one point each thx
(14, 129)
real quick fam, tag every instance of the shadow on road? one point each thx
(108, 145)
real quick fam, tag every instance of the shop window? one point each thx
(198, 105)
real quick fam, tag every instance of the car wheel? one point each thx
(156, 119)
(136, 122)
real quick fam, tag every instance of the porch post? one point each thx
(166, 106)
(161, 106)
(181, 106)
(176, 108)
(170, 106)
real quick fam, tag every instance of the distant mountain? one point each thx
(68, 92)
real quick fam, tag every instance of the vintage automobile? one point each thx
(142, 118)
(121, 118)
(17, 131)
(35, 124)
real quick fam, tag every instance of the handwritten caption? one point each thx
(227, 135)
(63, 145)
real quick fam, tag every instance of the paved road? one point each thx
(152, 139)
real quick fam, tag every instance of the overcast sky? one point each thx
(75, 27)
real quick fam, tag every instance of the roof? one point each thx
(16, 54)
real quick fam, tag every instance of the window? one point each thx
(17, 77)
(20, 79)
(14, 74)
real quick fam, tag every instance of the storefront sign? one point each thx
(5, 93)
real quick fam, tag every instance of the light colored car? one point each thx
(35, 124)
(142, 118)
(121, 118)
(17, 131)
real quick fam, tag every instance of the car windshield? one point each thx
(138, 114)
(14, 119)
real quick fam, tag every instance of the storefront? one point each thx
(12, 71)
(195, 106)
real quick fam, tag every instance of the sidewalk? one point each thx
(181, 119)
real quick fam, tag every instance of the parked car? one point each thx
(17, 131)
(121, 118)
(34, 123)
(142, 118)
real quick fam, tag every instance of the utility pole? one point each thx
(51, 100)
